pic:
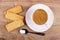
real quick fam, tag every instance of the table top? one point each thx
(51, 34)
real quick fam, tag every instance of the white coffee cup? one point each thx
(35, 27)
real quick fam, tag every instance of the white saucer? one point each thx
(32, 25)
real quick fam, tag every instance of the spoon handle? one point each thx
(38, 33)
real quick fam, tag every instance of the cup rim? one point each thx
(33, 13)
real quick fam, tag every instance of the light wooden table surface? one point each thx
(52, 34)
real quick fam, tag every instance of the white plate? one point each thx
(32, 25)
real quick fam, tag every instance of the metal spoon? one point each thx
(25, 31)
